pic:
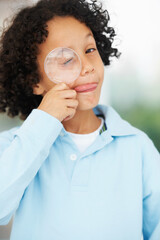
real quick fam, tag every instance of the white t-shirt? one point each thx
(83, 141)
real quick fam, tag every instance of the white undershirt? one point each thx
(83, 141)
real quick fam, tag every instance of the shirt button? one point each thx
(73, 157)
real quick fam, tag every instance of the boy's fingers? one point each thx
(60, 86)
(71, 103)
(68, 94)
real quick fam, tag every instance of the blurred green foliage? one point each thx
(146, 119)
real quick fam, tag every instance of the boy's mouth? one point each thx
(86, 87)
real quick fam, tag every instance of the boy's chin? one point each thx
(84, 107)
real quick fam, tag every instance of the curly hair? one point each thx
(19, 48)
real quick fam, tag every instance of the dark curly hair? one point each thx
(19, 48)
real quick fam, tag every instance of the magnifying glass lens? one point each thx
(62, 65)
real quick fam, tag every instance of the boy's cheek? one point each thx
(101, 75)
(100, 68)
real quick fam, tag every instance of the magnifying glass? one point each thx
(62, 65)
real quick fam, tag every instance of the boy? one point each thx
(74, 169)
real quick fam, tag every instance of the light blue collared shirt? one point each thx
(109, 192)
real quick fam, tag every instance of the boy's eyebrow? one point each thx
(89, 35)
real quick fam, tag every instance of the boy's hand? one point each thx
(60, 102)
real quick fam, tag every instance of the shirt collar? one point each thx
(116, 126)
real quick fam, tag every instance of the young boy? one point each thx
(74, 169)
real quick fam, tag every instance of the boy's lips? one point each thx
(86, 87)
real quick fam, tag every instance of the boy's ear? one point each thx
(38, 89)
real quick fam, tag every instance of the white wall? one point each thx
(135, 77)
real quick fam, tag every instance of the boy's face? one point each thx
(69, 32)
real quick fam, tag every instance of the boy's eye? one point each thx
(90, 50)
(68, 61)
(65, 61)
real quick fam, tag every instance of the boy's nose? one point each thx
(87, 66)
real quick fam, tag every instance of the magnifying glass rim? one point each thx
(54, 51)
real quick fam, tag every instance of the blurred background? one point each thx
(132, 83)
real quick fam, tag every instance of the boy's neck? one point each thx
(83, 122)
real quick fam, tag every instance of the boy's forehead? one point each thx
(68, 28)
(66, 21)
(66, 32)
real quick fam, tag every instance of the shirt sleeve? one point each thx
(22, 155)
(151, 192)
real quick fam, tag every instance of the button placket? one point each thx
(73, 157)
(81, 175)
